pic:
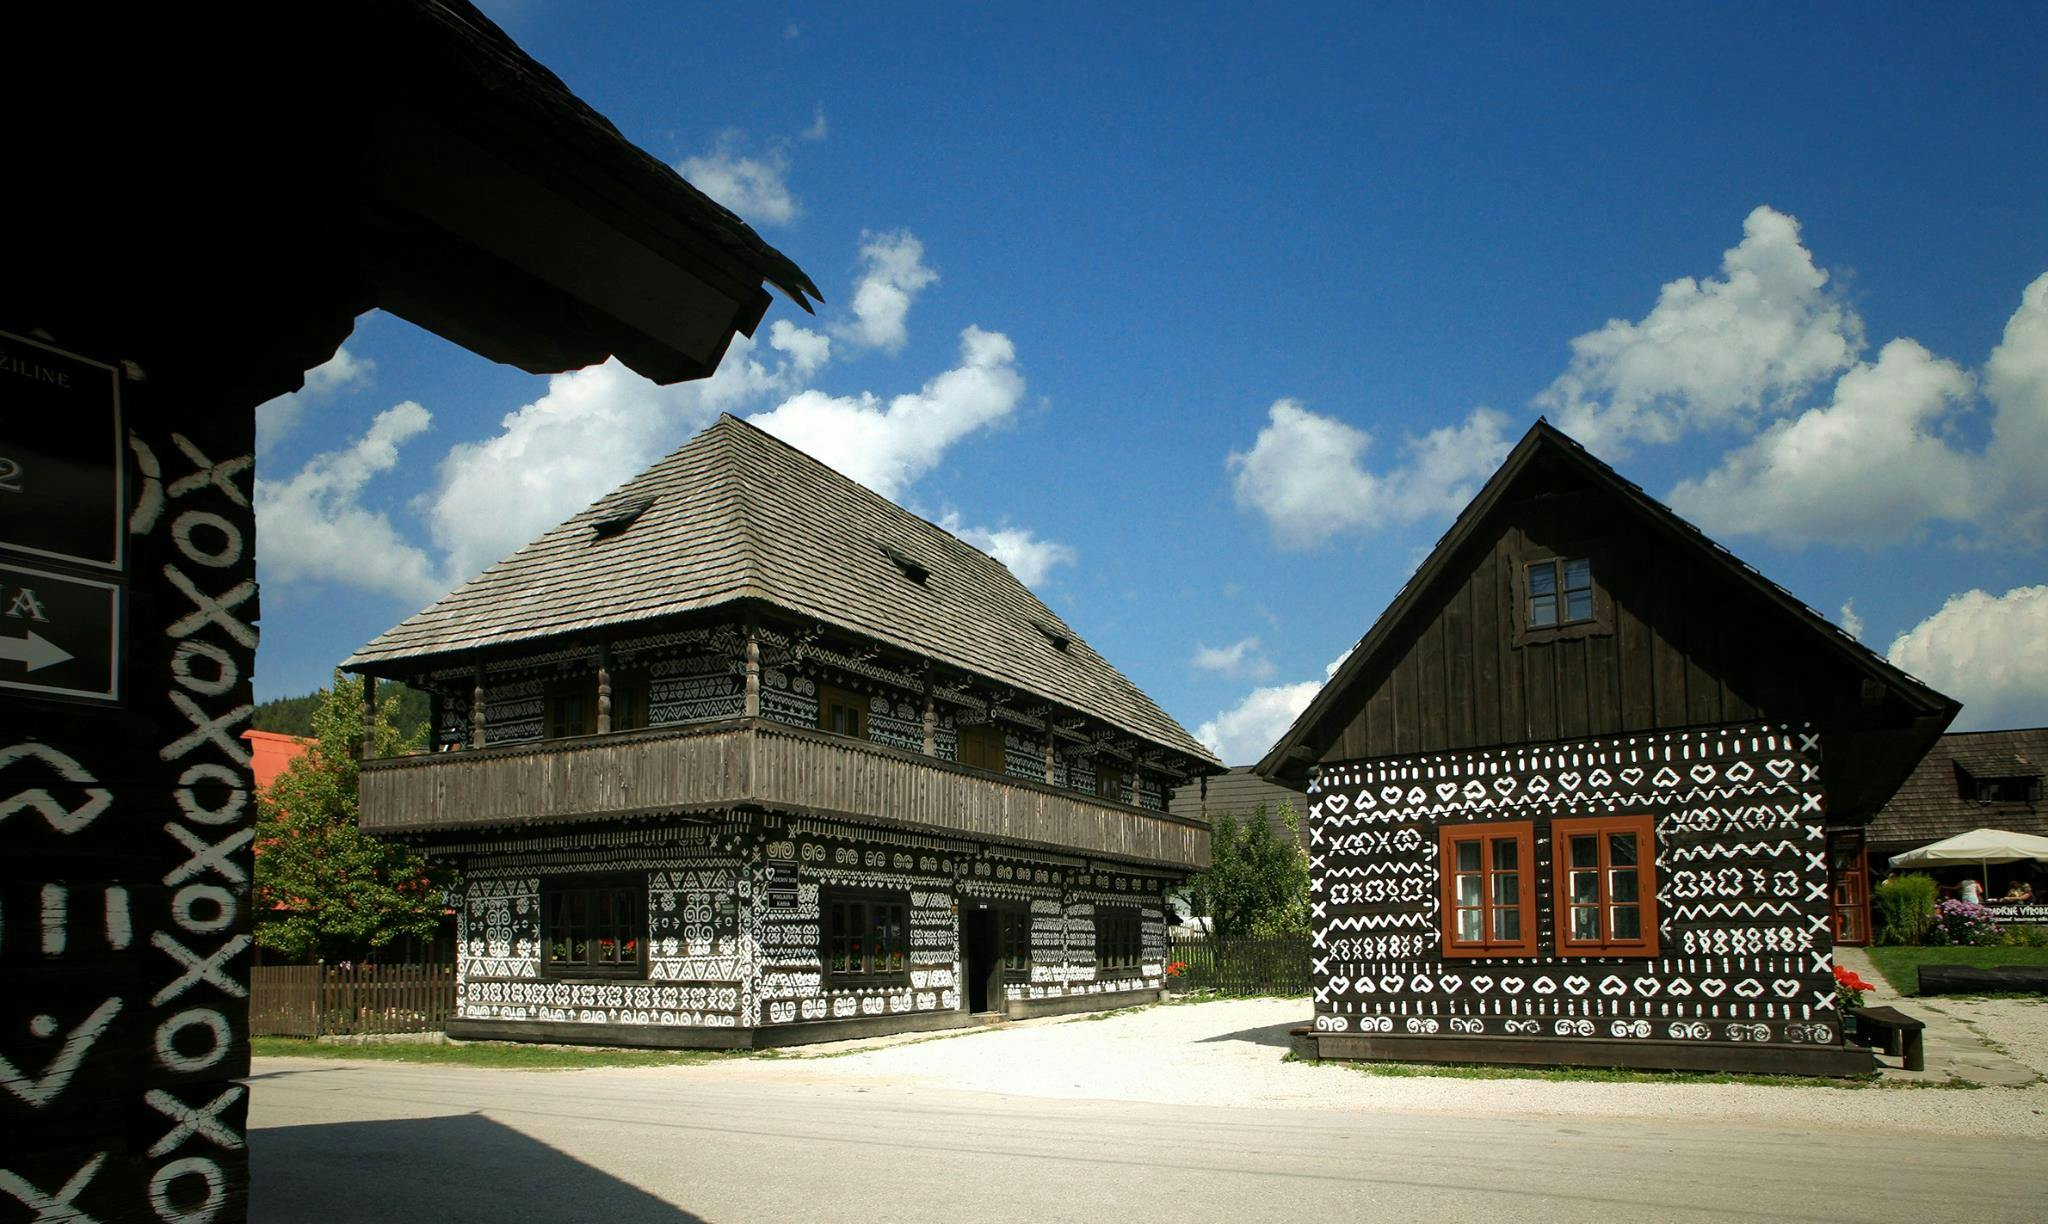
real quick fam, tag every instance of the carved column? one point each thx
(476, 707)
(1052, 773)
(604, 688)
(369, 717)
(752, 702)
(931, 716)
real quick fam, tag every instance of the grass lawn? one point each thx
(1901, 966)
(507, 1055)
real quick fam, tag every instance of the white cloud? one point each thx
(818, 130)
(279, 417)
(756, 186)
(1882, 460)
(1241, 659)
(1028, 556)
(313, 526)
(1305, 473)
(1248, 730)
(1852, 624)
(1989, 652)
(893, 273)
(1712, 353)
(808, 350)
(888, 448)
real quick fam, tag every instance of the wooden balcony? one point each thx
(752, 763)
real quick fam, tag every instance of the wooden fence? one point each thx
(330, 1000)
(1242, 966)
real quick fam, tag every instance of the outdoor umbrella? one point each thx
(1980, 846)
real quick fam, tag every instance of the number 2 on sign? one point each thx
(10, 476)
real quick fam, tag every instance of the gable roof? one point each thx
(737, 514)
(1285, 760)
(1931, 805)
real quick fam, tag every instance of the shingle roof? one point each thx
(738, 514)
(1931, 806)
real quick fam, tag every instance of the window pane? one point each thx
(1470, 929)
(1468, 856)
(1543, 579)
(1585, 923)
(1621, 885)
(1621, 849)
(1543, 610)
(1578, 574)
(1628, 922)
(1504, 854)
(1578, 605)
(1507, 925)
(1468, 890)
(1585, 851)
(1507, 888)
(1585, 888)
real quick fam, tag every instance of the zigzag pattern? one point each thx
(1786, 813)
(1733, 909)
(1374, 869)
(1379, 922)
(1786, 848)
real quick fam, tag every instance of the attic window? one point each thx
(911, 569)
(1058, 638)
(618, 520)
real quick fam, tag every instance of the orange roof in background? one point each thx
(272, 752)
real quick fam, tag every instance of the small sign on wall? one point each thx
(60, 636)
(60, 455)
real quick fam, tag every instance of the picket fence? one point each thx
(1241, 966)
(337, 1000)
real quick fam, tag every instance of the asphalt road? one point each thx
(337, 1142)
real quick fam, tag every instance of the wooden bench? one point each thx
(1988, 979)
(1892, 1031)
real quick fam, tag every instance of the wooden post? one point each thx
(604, 688)
(1051, 758)
(931, 716)
(369, 717)
(435, 719)
(752, 701)
(476, 707)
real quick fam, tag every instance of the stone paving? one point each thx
(1956, 1042)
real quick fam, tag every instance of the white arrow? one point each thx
(33, 651)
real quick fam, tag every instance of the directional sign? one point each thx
(60, 636)
(60, 455)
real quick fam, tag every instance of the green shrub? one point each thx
(2017, 936)
(1903, 909)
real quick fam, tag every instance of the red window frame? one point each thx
(1521, 835)
(1602, 875)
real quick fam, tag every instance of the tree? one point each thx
(325, 888)
(1257, 881)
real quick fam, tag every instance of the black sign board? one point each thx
(60, 636)
(780, 879)
(60, 455)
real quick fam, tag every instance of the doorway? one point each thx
(978, 945)
(1848, 887)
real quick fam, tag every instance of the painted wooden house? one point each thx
(745, 754)
(1572, 796)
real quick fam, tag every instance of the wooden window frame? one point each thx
(557, 693)
(832, 902)
(1114, 776)
(979, 745)
(1600, 624)
(1561, 832)
(554, 889)
(1119, 940)
(830, 695)
(1013, 942)
(631, 698)
(1523, 834)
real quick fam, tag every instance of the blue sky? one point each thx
(1209, 319)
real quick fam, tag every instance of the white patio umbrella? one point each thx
(1980, 846)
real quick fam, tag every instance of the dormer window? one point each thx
(622, 517)
(1059, 639)
(1560, 592)
(910, 567)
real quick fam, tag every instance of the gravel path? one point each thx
(1233, 1052)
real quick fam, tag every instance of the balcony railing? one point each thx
(708, 767)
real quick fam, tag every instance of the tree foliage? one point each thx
(407, 708)
(325, 888)
(1257, 881)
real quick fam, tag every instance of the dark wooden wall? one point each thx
(1690, 645)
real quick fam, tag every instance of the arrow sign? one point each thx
(33, 651)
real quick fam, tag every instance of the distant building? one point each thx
(1242, 791)
(745, 754)
(1968, 780)
(271, 753)
(1591, 791)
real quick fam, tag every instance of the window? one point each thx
(1119, 937)
(1489, 906)
(1109, 783)
(1560, 592)
(1015, 936)
(842, 712)
(591, 928)
(1606, 903)
(867, 938)
(629, 700)
(982, 747)
(572, 706)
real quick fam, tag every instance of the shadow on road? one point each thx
(1266, 1035)
(445, 1170)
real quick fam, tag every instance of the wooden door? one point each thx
(1848, 887)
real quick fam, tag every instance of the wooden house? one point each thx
(1971, 780)
(745, 754)
(1572, 797)
(1242, 792)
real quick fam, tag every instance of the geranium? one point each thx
(1849, 989)
(1176, 968)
